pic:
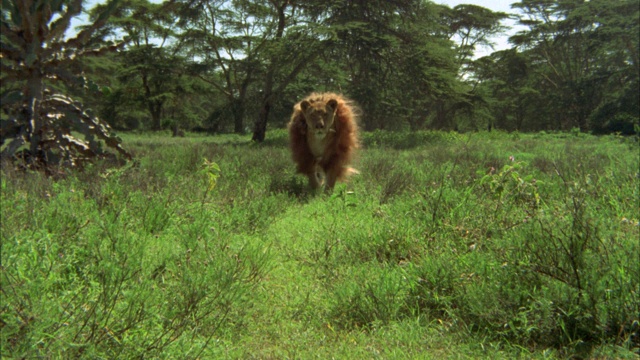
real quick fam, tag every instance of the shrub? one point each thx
(124, 274)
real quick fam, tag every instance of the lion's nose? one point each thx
(319, 125)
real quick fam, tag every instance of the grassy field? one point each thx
(485, 245)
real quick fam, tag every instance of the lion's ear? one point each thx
(333, 104)
(304, 105)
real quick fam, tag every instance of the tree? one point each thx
(617, 34)
(369, 34)
(227, 38)
(151, 66)
(396, 58)
(286, 56)
(582, 52)
(152, 76)
(40, 64)
(427, 75)
(504, 78)
(472, 26)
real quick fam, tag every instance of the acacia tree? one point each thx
(151, 66)
(582, 51)
(617, 33)
(469, 27)
(152, 76)
(287, 54)
(504, 80)
(227, 38)
(368, 36)
(423, 71)
(39, 64)
(472, 26)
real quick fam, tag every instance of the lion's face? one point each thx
(319, 116)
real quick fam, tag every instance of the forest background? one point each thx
(239, 66)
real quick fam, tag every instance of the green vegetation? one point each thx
(222, 66)
(484, 245)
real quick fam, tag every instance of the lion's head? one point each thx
(319, 116)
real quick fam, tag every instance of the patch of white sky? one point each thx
(82, 19)
(500, 41)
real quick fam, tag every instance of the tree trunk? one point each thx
(260, 128)
(239, 107)
(440, 121)
(238, 117)
(35, 88)
(270, 94)
(155, 109)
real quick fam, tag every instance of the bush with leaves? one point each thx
(39, 67)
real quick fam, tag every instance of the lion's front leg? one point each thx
(316, 177)
(331, 177)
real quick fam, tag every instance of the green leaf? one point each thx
(11, 97)
(30, 59)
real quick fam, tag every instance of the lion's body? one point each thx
(324, 135)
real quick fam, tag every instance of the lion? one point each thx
(324, 136)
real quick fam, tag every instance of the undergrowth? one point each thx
(446, 245)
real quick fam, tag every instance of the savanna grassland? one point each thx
(484, 245)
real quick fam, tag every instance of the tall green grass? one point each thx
(485, 245)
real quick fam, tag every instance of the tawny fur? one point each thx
(324, 136)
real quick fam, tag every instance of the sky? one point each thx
(501, 42)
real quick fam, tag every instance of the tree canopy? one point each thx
(240, 65)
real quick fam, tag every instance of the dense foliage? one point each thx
(221, 66)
